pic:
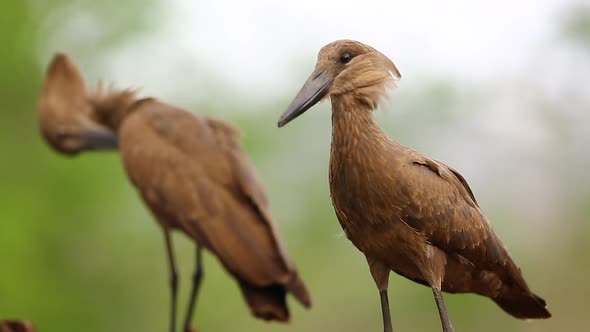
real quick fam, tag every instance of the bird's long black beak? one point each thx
(315, 88)
(99, 138)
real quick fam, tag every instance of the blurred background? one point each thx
(498, 90)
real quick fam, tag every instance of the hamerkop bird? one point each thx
(193, 175)
(405, 211)
(66, 118)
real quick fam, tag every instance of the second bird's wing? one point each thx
(181, 165)
(250, 191)
(249, 185)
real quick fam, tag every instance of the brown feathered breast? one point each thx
(401, 208)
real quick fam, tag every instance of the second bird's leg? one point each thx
(173, 279)
(197, 277)
(385, 310)
(442, 311)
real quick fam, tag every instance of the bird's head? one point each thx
(66, 114)
(344, 67)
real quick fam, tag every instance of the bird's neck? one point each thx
(112, 108)
(353, 125)
(357, 158)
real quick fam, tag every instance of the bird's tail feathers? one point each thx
(523, 305)
(267, 303)
(296, 287)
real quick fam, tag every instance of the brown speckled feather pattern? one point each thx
(406, 212)
(192, 173)
(417, 216)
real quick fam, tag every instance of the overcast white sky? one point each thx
(255, 46)
(263, 48)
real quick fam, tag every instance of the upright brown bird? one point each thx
(192, 173)
(405, 211)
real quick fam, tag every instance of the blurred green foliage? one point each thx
(79, 252)
(578, 25)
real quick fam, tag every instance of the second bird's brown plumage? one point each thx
(194, 176)
(405, 211)
(191, 172)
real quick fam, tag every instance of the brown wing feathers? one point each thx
(469, 235)
(254, 195)
(202, 173)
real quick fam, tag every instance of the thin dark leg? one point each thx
(197, 277)
(385, 310)
(442, 311)
(173, 280)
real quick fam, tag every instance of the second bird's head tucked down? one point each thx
(67, 118)
(345, 68)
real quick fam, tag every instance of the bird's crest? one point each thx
(111, 104)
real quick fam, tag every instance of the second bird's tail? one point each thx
(523, 305)
(296, 287)
(269, 303)
(266, 303)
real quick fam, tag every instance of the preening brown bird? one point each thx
(194, 176)
(406, 212)
(66, 118)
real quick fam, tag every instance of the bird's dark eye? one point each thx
(61, 135)
(345, 57)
